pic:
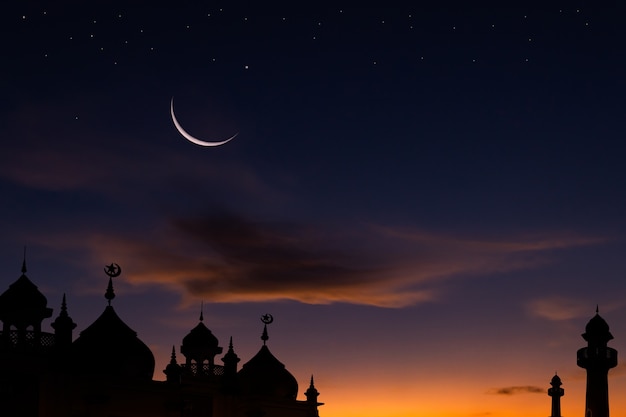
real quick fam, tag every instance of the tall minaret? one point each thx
(556, 392)
(597, 359)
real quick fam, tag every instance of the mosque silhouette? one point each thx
(108, 370)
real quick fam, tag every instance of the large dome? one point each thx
(109, 348)
(264, 375)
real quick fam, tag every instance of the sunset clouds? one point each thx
(224, 256)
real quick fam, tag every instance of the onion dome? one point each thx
(200, 344)
(597, 330)
(22, 304)
(264, 375)
(556, 381)
(109, 348)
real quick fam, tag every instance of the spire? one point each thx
(597, 309)
(63, 307)
(266, 319)
(110, 294)
(63, 326)
(312, 393)
(24, 262)
(112, 271)
(230, 359)
(201, 310)
(173, 370)
(173, 357)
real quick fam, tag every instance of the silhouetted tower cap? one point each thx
(173, 370)
(200, 344)
(264, 375)
(110, 348)
(597, 331)
(63, 326)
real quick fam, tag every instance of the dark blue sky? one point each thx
(416, 168)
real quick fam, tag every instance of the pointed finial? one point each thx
(112, 271)
(110, 294)
(597, 309)
(173, 357)
(230, 344)
(63, 307)
(312, 393)
(201, 310)
(266, 319)
(24, 261)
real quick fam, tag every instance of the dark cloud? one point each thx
(270, 255)
(514, 390)
(223, 256)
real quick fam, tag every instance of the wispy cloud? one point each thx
(224, 256)
(515, 390)
(559, 308)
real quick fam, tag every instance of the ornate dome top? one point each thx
(22, 303)
(109, 348)
(265, 375)
(597, 330)
(200, 343)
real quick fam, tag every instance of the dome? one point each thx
(597, 325)
(265, 375)
(200, 343)
(108, 347)
(597, 330)
(556, 381)
(22, 304)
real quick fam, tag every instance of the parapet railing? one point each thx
(29, 340)
(203, 369)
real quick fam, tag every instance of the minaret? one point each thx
(556, 392)
(597, 359)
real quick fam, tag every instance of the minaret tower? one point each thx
(556, 392)
(597, 359)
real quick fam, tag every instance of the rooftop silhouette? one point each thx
(108, 370)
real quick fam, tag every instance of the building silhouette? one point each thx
(108, 371)
(597, 358)
(556, 392)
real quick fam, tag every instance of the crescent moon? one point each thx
(192, 139)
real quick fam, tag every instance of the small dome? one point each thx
(265, 375)
(200, 343)
(200, 337)
(556, 381)
(108, 347)
(597, 330)
(597, 325)
(23, 304)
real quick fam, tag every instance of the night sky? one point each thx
(429, 199)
